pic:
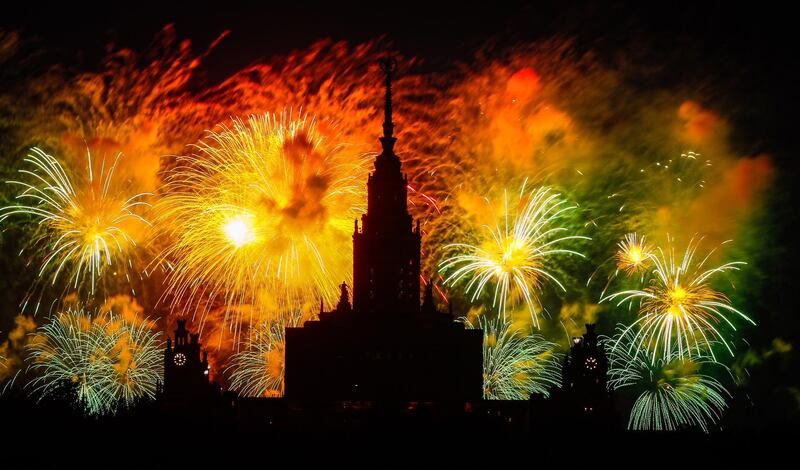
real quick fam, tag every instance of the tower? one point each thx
(383, 347)
(584, 391)
(386, 250)
(186, 370)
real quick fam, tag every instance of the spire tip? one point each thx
(388, 65)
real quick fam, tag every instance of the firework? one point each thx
(679, 311)
(12, 350)
(262, 215)
(513, 255)
(633, 255)
(673, 394)
(516, 363)
(109, 360)
(86, 223)
(258, 369)
(507, 114)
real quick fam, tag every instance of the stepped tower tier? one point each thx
(386, 249)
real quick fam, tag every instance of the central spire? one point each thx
(388, 66)
(387, 248)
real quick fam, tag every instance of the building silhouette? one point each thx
(186, 369)
(384, 345)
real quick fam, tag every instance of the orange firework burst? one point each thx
(260, 218)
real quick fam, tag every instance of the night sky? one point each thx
(739, 61)
(739, 51)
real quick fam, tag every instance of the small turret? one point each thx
(344, 299)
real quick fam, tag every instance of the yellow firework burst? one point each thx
(87, 222)
(634, 254)
(261, 215)
(680, 313)
(512, 255)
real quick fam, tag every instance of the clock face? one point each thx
(591, 363)
(180, 359)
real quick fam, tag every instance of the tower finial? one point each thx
(389, 66)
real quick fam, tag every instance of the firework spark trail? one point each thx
(516, 364)
(679, 310)
(341, 82)
(513, 256)
(261, 215)
(85, 223)
(257, 370)
(673, 394)
(110, 361)
(695, 400)
(4, 372)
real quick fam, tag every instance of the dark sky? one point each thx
(438, 30)
(748, 50)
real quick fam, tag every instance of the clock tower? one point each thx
(584, 394)
(186, 367)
